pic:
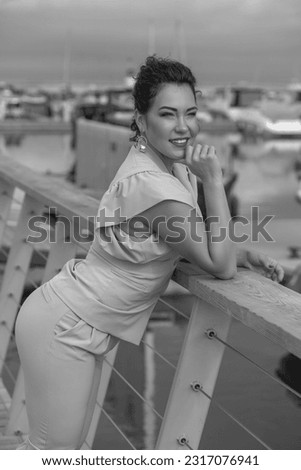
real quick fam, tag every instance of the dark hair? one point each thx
(151, 77)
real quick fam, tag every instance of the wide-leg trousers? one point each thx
(61, 356)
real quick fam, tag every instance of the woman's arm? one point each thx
(208, 246)
(204, 163)
(185, 232)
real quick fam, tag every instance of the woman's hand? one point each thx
(204, 163)
(261, 263)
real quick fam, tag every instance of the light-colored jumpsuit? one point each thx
(67, 325)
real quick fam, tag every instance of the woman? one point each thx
(147, 220)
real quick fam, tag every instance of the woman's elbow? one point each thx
(227, 273)
(225, 268)
(230, 274)
(224, 263)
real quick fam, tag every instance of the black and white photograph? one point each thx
(150, 232)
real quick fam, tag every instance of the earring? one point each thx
(141, 143)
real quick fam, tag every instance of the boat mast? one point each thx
(67, 60)
(179, 49)
(151, 37)
(181, 41)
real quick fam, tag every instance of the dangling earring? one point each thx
(141, 143)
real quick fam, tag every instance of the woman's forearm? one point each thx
(222, 249)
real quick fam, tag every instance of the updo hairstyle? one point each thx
(151, 77)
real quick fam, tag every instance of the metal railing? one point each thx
(267, 308)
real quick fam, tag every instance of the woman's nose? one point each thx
(182, 125)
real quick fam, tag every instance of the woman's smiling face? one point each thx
(171, 123)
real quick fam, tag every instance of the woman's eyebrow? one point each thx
(175, 109)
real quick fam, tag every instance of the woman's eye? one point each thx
(166, 114)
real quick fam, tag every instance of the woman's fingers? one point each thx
(269, 266)
(196, 152)
(203, 162)
(279, 271)
(193, 154)
(204, 151)
(274, 277)
(188, 154)
(275, 270)
(211, 151)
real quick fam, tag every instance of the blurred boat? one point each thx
(262, 148)
(24, 106)
(113, 105)
(257, 112)
(283, 128)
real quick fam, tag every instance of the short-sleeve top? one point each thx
(116, 287)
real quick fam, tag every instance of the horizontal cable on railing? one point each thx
(16, 268)
(5, 254)
(242, 425)
(7, 408)
(18, 304)
(173, 308)
(32, 283)
(39, 252)
(275, 379)
(158, 354)
(134, 390)
(199, 388)
(118, 428)
(12, 336)
(82, 245)
(28, 280)
(4, 324)
(7, 369)
(188, 446)
(12, 198)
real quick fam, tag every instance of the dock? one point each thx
(45, 126)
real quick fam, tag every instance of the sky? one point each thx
(96, 41)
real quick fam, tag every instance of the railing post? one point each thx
(18, 421)
(197, 370)
(5, 205)
(102, 391)
(15, 274)
(61, 250)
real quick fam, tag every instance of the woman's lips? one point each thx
(181, 143)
